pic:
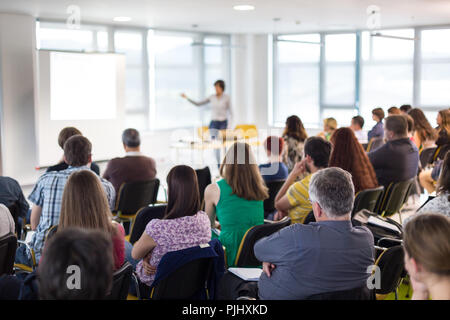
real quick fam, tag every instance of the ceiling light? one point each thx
(244, 7)
(122, 19)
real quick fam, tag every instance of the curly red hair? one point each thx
(348, 154)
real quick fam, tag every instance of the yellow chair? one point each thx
(246, 131)
(203, 133)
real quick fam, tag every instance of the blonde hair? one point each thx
(240, 171)
(331, 123)
(84, 203)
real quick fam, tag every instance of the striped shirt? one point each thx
(298, 196)
(47, 194)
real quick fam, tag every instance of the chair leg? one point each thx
(396, 293)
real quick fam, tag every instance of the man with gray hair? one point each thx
(134, 166)
(326, 256)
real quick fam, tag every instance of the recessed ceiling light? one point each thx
(244, 7)
(122, 19)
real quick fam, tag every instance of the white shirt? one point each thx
(133, 154)
(361, 136)
(221, 106)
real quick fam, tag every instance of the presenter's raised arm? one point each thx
(197, 103)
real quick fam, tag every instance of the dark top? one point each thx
(377, 131)
(63, 166)
(397, 160)
(442, 139)
(273, 171)
(315, 258)
(11, 193)
(129, 169)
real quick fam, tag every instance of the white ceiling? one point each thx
(218, 15)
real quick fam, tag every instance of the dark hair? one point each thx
(184, 195)
(397, 124)
(221, 84)
(394, 110)
(319, 150)
(359, 120)
(410, 122)
(66, 133)
(348, 154)
(443, 184)
(405, 108)
(295, 129)
(131, 138)
(379, 113)
(77, 151)
(90, 251)
(422, 126)
(271, 142)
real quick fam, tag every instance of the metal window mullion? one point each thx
(145, 78)
(417, 66)
(322, 75)
(358, 72)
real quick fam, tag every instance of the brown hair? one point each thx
(445, 116)
(271, 143)
(443, 184)
(397, 124)
(348, 154)
(77, 151)
(295, 129)
(422, 126)
(184, 195)
(426, 238)
(410, 122)
(84, 203)
(240, 171)
(379, 113)
(394, 110)
(66, 133)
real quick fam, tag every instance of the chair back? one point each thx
(374, 144)
(121, 282)
(426, 156)
(391, 266)
(246, 131)
(367, 199)
(133, 196)
(361, 293)
(50, 232)
(184, 282)
(8, 246)
(143, 217)
(204, 179)
(269, 203)
(246, 256)
(394, 197)
(440, 152)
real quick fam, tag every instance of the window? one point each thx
(297, 78)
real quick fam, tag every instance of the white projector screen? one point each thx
(84, 90)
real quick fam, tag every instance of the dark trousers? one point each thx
(232, 287)
(214, 128)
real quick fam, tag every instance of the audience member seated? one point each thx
(11, 193)
(275, 169)
(84, 205)
(47, 194)
(349, 155)
(410, 122)
(294, 136)
(424, 134)
(377, 131)
(441, 204)
(6, 221)
(357, 125)
(426, 239)
(293, 197)
(321, 257)
(392, 111)
(183, 226)
(404, 109)
(398, 159)
(134, 166)
(237, 199)
(64, 135)
(329, 127)
(78, 265)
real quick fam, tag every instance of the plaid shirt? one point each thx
(47, 193)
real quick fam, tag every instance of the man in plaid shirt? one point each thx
(48, 191)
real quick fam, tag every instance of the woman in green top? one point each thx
(237, 199)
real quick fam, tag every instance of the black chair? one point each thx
(8, 246)
(143, 217)
(204, 179)
(361, 293)
(391, 268)
(367, 199)
(440, 152)
(310, 218)
(374, 144)
(15, 211)
(245, 256)
(184, 282)
(426, 156)
(121, 283)
(269, 203)
(134, 196)
(395, 196)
